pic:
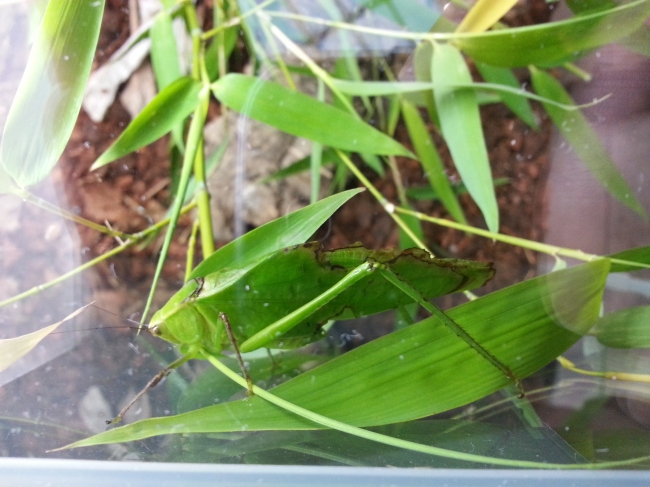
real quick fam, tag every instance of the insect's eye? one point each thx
(155, 331)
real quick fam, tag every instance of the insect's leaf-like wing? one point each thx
(291, 229)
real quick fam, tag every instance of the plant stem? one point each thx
(517, 241)
(405, 444)
(626, 376)
(203, 202)
(194, 139)
(389, 207)
(47, 206)
(191, 245)
(131, 240)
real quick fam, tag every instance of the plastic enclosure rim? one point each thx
(28, 472)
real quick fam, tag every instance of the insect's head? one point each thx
(178, 321)
(159, 328)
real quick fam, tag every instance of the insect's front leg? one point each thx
(150, 385)
(233, 341)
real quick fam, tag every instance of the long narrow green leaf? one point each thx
(638, 254)
(291, 229)
(504, 86)
(160, 116)
(518, 104)
(556, 42)
(627, 328)
(431, 162)
(460, 123)
(575, 128)
(49, 96)
(301, 115)
(164, 57)
(420, 370)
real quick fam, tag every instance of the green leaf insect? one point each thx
(283, 299)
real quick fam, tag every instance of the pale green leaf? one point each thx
(518, 104)
(460, 123)
(585, 142)
(12, 349)
(164, 52)
(49, 96)
(504, 85)
(169, 108)
(638, 254)
(431, 162)
(301, 115)
(627, 328)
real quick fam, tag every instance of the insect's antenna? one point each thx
(94, 328)
(328, 232)
(231, 336)
(138, 324)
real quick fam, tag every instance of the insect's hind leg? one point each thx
(449, 323)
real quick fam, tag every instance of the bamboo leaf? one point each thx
(303, 116)
(49, 96)
(504, 86)
(420, 370)
(169, 108)
(575, 128)
(627, 328)
(291, 229)
(518, 104)
(431, 162)
(460, 123)
(556, 42)
(12, 349)
(638, 254)
(164, 57)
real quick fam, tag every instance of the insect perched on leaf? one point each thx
(283, 299)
